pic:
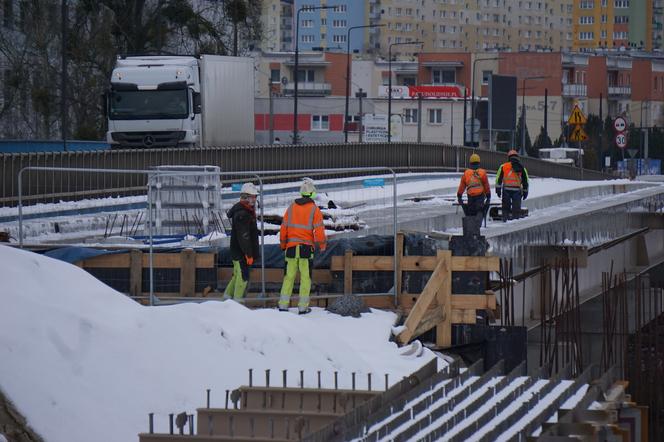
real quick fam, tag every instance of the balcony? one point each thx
(309, 89)
(615, 91)
(575, 90)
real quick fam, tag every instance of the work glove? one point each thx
(525, 194)
(249, 259)
(499, 191)
(460, 200)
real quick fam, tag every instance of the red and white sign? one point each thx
(426, 91)
(619, 124)
(621, 140)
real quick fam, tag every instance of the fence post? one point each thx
(187, 273)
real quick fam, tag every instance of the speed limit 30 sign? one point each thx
(621, 140)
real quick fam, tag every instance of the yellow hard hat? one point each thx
(474, 158)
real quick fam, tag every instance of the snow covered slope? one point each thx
(83, 362)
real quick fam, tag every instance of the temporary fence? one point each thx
(301, 157)
(352, 199)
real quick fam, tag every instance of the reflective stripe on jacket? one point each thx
(474, 182)
(302, 224)
(510, 179)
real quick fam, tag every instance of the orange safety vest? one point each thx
(473, 182)
(511, 179)
(302, 224)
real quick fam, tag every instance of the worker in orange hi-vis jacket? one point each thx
(475, 183)
(301, 232)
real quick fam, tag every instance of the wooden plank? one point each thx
(320, 276)
(477, 302)
(187, 272)
(135, 272)
(440, 277)
(161, 261)
(475, 263)
(431, 318)
(417, 263)
(444, 295)
(464, 316)
(400, 242)
(348, 272)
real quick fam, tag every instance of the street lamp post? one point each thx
(348, 74)
(389, 85)
(522, 151)
(472, 98)
(297, 52)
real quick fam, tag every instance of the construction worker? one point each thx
(301, 232)
(475, 183)
(512, 181)
(244, 241)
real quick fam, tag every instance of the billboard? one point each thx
(502, 96)
(442, 91)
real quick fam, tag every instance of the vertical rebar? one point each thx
(284, 378)
(170, 423)
(208, 398)
(251, 377)
(151, 423)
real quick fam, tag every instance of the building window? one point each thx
(305, 75)
(307, 23)
(485, 76)
(603, 18)
(307, 39)
(585, 4)
(275, 76)
(339, 8)
(410, 116)
(435, 116)
(308, 8)
(323, 22)
(339, 39)
(442, 76)
(339, 23)
(620, 35)
(621, 3)
(320, 122)
(586, 35)
(586, 20)
(621, 19)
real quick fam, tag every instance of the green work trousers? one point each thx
(239, 281)
(304, 265)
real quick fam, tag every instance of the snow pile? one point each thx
(83, 362)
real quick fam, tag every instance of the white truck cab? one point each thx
(169, 101)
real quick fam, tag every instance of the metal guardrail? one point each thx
(45, 186)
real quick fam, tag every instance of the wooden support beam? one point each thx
(399, 245)
(187, 272)
(444, 298)
(348, 272)
(418, 263)
(160, 261)
(135, 272)
(440, 275)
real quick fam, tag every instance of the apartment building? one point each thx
(609, 83)
(277, 20)
(617, 23)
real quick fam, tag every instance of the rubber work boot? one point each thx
(283, 309)
(304, 311)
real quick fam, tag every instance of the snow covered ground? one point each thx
(83, 362)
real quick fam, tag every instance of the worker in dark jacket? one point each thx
(512, 181)
(475, 183)
(244, 241)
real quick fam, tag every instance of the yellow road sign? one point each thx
(578, 134)
(576, 117)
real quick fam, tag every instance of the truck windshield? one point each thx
(144, 105)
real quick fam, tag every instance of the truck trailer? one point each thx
(181, 101)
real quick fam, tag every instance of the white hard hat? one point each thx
(307, 187)
(249, 189)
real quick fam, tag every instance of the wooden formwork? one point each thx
(436, 306)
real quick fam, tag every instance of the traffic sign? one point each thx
(632, 152)
(578, 134)
(576, 117)
(621, 140)
(619, 124)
